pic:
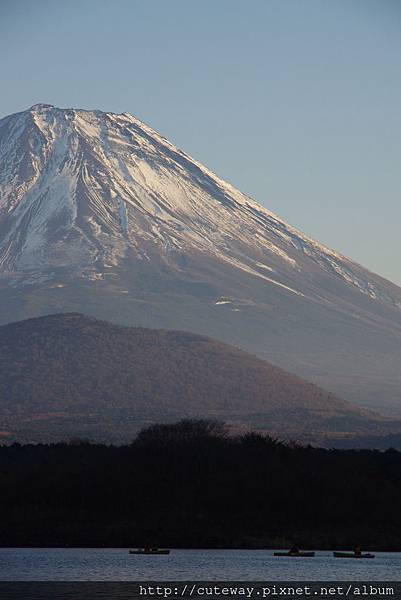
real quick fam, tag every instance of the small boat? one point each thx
(299, 553)
(148, 551)
(352, 555)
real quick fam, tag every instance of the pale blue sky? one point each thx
(296, 102)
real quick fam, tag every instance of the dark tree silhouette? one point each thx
(189, 484)
(186, 430)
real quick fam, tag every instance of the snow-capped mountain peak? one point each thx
(82, 189)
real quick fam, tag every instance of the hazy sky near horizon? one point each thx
(295, 102)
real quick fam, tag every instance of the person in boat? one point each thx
(357, 550)
(294, 550)
(147, 548)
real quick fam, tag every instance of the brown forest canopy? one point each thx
(67, 374)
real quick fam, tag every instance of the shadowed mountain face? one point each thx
(100, 214)
(70, 375)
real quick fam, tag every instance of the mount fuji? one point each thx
(101, 214)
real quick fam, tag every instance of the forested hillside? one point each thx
(67, 375)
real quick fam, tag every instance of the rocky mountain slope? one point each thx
(100, 214)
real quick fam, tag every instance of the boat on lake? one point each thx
(152, 551)
(353, 555)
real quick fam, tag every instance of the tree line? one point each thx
(191, 484)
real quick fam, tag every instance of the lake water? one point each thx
(116, 564)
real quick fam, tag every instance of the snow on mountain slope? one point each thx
(106, 183)
(102, 202)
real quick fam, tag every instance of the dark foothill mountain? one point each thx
(102, 215)
(68, 375)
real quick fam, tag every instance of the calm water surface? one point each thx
(115, 564)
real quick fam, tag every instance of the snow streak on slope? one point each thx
(86, 190)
